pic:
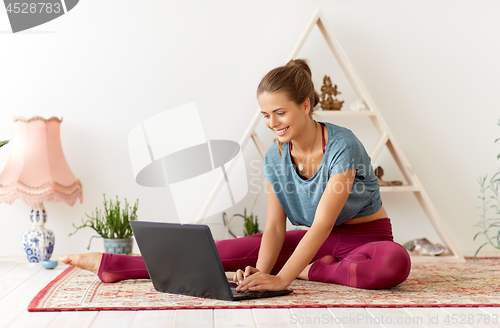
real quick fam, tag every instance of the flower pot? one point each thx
(118, 246)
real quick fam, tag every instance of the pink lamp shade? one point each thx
(37, 170)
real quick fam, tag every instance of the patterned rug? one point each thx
(429, 285)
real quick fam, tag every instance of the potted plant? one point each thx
(113, 226)
(3, 143)
(250, 224)
(490, 199)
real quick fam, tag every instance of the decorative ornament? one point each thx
(357, 105)
(422, 246)
(329, 94)
(379, 172)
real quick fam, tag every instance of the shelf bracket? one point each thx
(378, 147)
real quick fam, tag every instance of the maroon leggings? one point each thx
(359, 255)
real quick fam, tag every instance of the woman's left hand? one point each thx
(261, 282)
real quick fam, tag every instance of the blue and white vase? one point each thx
(38, 242)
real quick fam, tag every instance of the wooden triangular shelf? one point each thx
(386, 139)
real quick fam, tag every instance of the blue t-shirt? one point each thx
(299, 198)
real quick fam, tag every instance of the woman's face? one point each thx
(283, 116)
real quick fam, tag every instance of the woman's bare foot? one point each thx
(86, 261)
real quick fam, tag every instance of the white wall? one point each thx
(430, 66)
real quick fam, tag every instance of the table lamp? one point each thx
(37, 172)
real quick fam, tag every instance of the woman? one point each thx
(319, 175)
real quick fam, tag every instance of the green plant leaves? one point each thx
(489, 194)
(250, 224)
(114, 224)
(3, 143)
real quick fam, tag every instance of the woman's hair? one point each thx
(295, 78)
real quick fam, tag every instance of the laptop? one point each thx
(183, 259)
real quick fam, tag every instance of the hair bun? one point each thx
(300, 63)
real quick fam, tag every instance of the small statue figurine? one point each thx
(379, 172)
(329, 95)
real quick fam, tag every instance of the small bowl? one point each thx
(49, 264)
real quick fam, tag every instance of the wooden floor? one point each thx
(19, 283)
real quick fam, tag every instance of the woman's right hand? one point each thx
(241, 275)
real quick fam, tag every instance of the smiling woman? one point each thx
(283, 89)
(319, 175)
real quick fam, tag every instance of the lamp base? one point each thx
(38, 242)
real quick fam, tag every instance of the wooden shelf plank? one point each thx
(404, 188)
